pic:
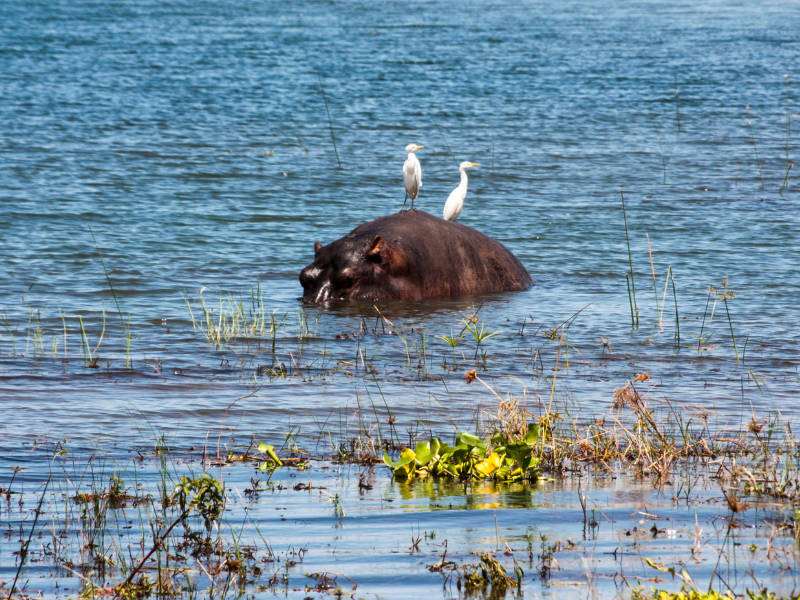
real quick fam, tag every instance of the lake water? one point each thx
(192, 140)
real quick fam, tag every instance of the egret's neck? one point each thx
(463, 183)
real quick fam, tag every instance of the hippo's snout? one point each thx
(309, 276)
(315, 287)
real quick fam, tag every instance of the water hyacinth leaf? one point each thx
(270, 451)
(407, 465)
(406, 456)
(518, 451)
(468, 439)
(444, 449)
(467, 460)
(404, 471)
(425, 451)
(459, 455)
(533, 433)
(490, 465)
(530, 463)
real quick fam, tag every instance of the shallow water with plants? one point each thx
(167, 170)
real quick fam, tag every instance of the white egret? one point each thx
(412, 174)
(455, 202)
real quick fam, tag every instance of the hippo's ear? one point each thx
(317, 247)
(375, 247)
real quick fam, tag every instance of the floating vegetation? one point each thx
(471, 458)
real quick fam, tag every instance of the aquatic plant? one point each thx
(234, 320)
(480, 335)
(725, 294)
(471, 458)
(272, 461)
(487, 572)
(629, 275)
(203, 495)
(452, 341)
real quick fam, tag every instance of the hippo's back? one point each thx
(447, 258)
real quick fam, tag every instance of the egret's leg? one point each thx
(404, 203)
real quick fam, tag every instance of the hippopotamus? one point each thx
(409, 256)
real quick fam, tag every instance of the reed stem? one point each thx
(733, 339)
(24, 553)
(703, 325)
(445, 141)
(85, 343)
(677, 111)
(634, 306)
(653, 269)
(753, 136)
(330, 123)
(663, 160)
(492, 149)
(664, 298)
(677, 322)
(125, 328)
(785, 184)
(630, 300)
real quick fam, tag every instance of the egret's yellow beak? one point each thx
(474, 164)
(418, 147)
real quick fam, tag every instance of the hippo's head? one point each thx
(364, 267)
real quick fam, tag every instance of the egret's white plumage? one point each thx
(412, 174)
(455, 202)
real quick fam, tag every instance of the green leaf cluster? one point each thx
(204, 494)
(470, 458)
